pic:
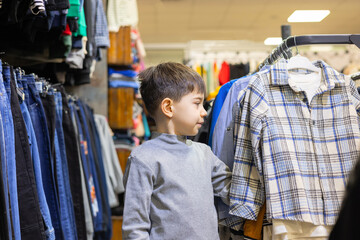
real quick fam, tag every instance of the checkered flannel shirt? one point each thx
(295, 153)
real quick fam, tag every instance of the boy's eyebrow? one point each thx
(198, 98)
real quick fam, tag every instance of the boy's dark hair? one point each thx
(172, 80)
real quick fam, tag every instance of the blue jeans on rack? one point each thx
(84, 164)
(44, 208)
(4, 167)
(93, 181)
(25, 108)
(73, 161)
(101, 174)
(38, 118)
(67, 215)
(4, 210)
(8, 127)
(31, 221)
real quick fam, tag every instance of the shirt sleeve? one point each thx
(247, 192)
(236, 116)
(221, 178)
(222, 137)
(220, 124)
(355, 95)
(138, 182)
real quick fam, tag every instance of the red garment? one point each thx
(224, 74)
(67, 30)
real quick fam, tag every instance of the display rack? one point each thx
(294, 41)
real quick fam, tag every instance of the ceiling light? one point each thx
(308, 15)
(273, 41)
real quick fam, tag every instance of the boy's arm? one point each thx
(138, 182)
(221, 178)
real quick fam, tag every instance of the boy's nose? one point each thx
(203, 113)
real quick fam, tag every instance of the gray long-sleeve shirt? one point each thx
(170, 183)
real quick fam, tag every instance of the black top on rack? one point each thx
(293, 41)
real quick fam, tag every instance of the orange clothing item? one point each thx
(213, 94)
(252, 228)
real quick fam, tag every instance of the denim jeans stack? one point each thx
(53, 183)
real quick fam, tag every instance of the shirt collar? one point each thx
(170, 138)
(279, 74)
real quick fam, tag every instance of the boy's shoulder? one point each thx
(152, 148)
(200, 145)
(146, 150)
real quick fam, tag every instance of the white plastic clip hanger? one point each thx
(300, 62)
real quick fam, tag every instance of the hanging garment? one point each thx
(239, 70)
(43, 144)
(197, 68)
(8, 167)
(253, 229)
(48, 102)
(101, 33)
(285, 229)
(203, 74)
(75, 59)
(203, 134)
(40, 125)
(218, 103)
(74, 10)
(67, 215)
(34, 151)
(212, 95)
(209, 78)
(31, 222)
(222, 136)
(99, 167)
(82, 25)
(223, 119)
(72, 156)
(90, 172)
(216, 71)
(298, 153)
(111, 162)
(224, 74)
(83, 167)
(4, 233)
(122, 13)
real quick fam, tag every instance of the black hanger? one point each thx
(294, 41)
(355, 76)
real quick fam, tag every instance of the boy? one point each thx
(170, 182)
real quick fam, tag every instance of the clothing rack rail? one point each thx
(294, 41)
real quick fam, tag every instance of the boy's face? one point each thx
(189, 114)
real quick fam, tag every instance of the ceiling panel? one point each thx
(166, 21)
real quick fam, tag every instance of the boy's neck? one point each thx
(165, 129)
(164, 125)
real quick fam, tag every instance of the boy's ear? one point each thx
(167, 107)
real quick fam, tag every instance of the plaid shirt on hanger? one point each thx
(295, 153)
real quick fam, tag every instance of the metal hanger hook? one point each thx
(272, 57)
(297, 50)
(283, 51)
(286, 49)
